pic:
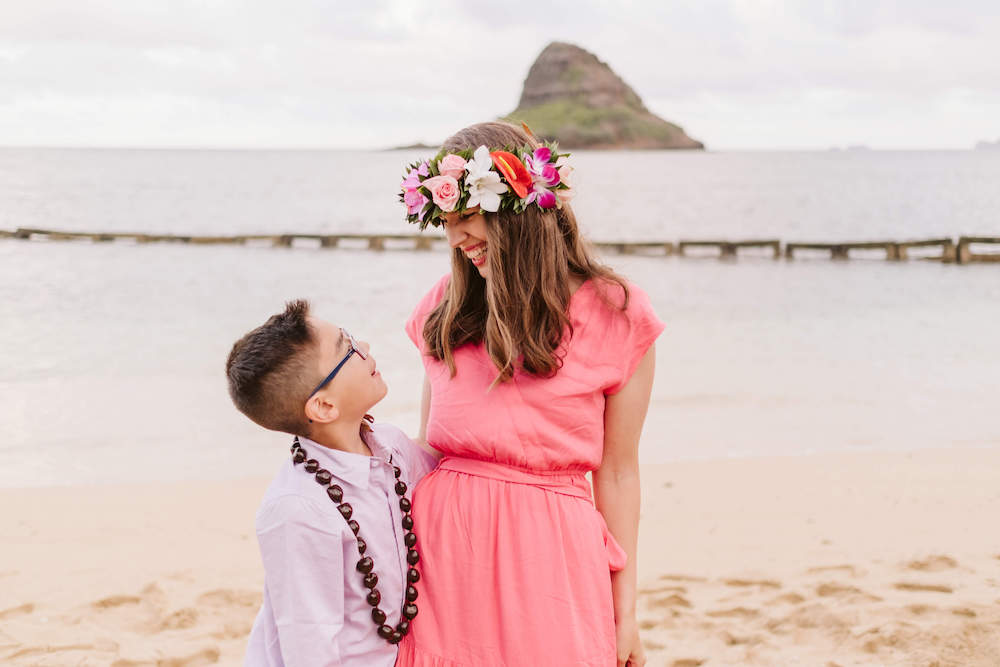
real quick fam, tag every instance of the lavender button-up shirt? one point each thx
(314, 610)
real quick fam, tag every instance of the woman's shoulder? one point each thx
(625, 315)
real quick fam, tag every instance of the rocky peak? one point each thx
(572, 96)
(565, 71)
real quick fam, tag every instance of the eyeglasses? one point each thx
(354, 350)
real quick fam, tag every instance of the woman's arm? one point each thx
(616, 495)
(425, 409)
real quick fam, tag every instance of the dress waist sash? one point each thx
(573, 484)
(569, 484)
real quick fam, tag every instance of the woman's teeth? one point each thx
(477, 254)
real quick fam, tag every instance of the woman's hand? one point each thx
(630, 650)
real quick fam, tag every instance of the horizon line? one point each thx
(852, 148)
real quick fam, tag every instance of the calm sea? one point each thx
(111, 355)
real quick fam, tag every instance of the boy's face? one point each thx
(358, 385)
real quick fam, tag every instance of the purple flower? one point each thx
(550, 175)
(543, 174)
(544, 198)
(411, 182)
(414, 202)
(412, 197)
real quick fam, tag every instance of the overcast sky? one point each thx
(371, 73)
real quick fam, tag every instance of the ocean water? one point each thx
(111, 355)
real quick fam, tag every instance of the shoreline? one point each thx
(847, 558)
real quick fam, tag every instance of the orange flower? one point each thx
(513, 171)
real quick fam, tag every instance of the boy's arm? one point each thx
(304, 573)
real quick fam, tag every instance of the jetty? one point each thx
(728, 249)
(894, 250)
(966, 250)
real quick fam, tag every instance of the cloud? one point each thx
(314, 72)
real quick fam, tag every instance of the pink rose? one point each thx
(452, 165)
(444, 190)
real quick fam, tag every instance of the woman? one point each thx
(539, 365)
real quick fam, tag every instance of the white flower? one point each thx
(484, 184)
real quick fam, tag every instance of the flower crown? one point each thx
(493, 180)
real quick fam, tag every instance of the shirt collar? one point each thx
(354, 469)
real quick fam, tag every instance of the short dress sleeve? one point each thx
(415, 324)
(636, 329)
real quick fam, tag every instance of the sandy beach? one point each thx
(833, 559)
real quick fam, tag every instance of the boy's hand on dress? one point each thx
(630, 650)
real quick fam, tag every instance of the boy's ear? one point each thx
(319, 410)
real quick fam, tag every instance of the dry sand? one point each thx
(846, 559)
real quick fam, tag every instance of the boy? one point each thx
(334, 529)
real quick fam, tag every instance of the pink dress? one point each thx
(515, 558)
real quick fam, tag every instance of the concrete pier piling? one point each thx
(965, 254)
(729, 249)
(968, 249)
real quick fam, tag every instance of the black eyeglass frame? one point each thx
(354, 350)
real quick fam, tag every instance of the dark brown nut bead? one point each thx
(295, 445)
(396, 471)
(404, 504)
(323, 477)
(373, 598)
(299, 456)
(312, 465)
(411, 594)
(412, 557)
(366, 565)
(409, 611)
(403, 627)
(407, 522)
(413, 575)
(400, 488)
(362, 546)
(385, 632)
(378, 616)
(336, 493)
(396, 637)
(370, 580)
(355, 528)
(409, 539)
(346, 510)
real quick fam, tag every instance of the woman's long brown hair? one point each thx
(521, 311)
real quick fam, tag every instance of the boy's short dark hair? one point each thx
(270, 370)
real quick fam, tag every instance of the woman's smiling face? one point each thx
(466, 230)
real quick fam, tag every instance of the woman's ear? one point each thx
(319, 410)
